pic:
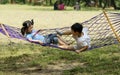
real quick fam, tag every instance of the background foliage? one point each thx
(83, 3)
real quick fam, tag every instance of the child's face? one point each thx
(30, 28)
(74, 33)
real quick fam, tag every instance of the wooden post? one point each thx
(118, 38)
(5, 30)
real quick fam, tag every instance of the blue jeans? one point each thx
(51, 39)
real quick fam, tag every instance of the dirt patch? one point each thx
(50, 69)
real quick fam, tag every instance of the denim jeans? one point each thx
(51, 39)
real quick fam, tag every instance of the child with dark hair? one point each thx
(33, 36)
(26, 24)
(80, 35)
(56, 5)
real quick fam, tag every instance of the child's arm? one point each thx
(68, 32)
(37, 41)
(82, 49)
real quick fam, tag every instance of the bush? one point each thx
(3, 1)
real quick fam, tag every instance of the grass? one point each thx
(30, 58)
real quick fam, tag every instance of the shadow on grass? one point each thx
(24, 64)
(32, 59)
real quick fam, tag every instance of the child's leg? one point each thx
(63, 44)
(61, 41)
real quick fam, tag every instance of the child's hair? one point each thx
(26, 24)
(77, 27)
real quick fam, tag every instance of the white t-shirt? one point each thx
(82, 41)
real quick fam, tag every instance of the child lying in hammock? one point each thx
(33, 36)
(80, 35)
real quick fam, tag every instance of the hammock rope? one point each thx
(103, 29)
(111, 26)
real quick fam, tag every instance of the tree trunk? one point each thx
(100, 3)
(24, 1)
(96, 3)
(87, 2)
(12, 1)
(78, 1)
(110, 3)
(51, 2)
(29, 1)
(113, 4)
(105, 4)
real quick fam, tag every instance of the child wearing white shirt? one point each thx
(80, 35)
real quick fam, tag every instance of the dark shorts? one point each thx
(51, 39)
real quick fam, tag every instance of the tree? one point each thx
(87, 2)
(51, 2)
(113, 4)
(110, 3)
(24, 1)
(29, 1)
(11, 1)
(100, 3)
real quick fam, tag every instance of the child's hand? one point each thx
(77, 51)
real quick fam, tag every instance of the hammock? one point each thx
(104, 29)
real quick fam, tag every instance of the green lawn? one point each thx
(31, 59)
